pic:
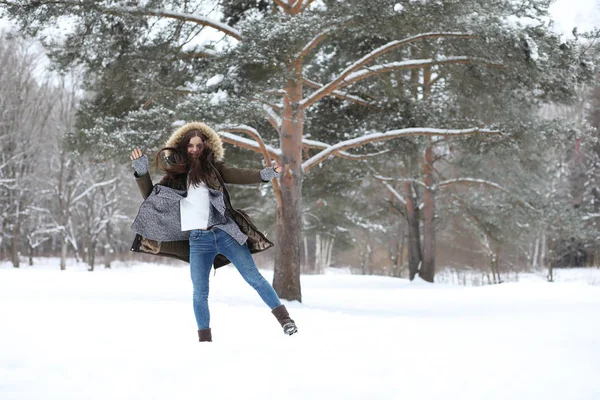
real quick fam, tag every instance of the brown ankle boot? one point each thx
(283, 317)
(205, 335)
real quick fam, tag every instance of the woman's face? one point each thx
(195, 146)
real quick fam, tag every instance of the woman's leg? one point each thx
(202, 253)
(241, 258)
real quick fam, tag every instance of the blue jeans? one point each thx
(204, 246)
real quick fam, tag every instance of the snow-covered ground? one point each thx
(129, 333)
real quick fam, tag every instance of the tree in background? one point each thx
(292, 60)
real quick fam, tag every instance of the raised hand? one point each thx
(135, 154)
(276, 167)
(140, 162)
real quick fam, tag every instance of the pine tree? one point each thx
(394, 69)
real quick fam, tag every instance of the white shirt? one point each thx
(195, 208)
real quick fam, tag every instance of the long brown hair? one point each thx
(180, 164)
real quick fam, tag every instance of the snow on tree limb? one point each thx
(267, 151)
(91, 188)
(4, 182)
(393, 134)
(273, 117)
(314, 144)
(334, 84)
(484, 182)
(386, 179)
(389, 187)
(314, 43)
(394, 192)
(410, 64)
(472, 181)
(283, 4)
(304, 5)
(199, 20)
(337, 93)
(257, 145)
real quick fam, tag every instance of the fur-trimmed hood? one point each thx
(214, 141)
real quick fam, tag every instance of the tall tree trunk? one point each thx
(427, 271)
(286, 276)
(108, 249)
(330, 242)
(91, 254)
(31, 250)
(14, 242)
(400, 256)
(414, 234)
(63, 254)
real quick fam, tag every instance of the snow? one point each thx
(129, 333)
(218, 97)
(215, 80)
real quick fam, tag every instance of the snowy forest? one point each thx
(417, 136)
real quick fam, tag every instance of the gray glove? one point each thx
(267, 174)
(140, 165)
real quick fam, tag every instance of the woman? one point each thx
(188, 215)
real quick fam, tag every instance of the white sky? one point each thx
(583, 14)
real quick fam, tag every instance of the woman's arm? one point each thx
(245, 176)
(140, 168)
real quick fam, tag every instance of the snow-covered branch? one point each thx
(273, 118)
(393, 191)
(475, 181)
(337, 93)
(390, 188)
(93, 187)
(410, 64)
(267, 151)
(314, 43)
(335, 84)
(5, 182)
(303, 5)
(393, 134)
(471, 181)
(257, 145)
(314, 144)
(142, 11)
(385, 179)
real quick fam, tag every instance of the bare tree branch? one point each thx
(226, 133)
(411, 64)
(313, 144)
(91, 188)
(393, 134)
(273, 118)
(390, 188)
(314, 43)
(267, 154)
(305, 6)
(386, 179)
(337, 93)
(138, 11)
(283, 4)
(334, 84)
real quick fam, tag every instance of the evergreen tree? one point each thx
(314, 76)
